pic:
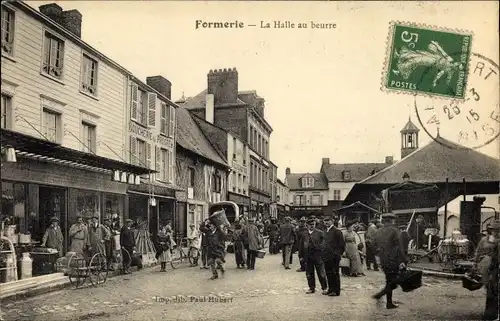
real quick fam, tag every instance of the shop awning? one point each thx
(26, 145)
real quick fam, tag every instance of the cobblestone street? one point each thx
(268, 293)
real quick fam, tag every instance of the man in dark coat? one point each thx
(127, 242)
(216, 237)
(299, 234)
(273, 231)
(369, 239)
(320, 224)
(204, 249)
(332, 249)
(390, 250)
(311, 252)
(287, 237)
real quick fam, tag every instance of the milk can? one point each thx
(455, 235)
(26, 266)
(10, 274)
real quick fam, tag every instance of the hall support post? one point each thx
(445, 223)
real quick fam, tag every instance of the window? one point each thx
(307, 182)
(164, 119)
(216, 183)
(239, 183)
(89, 137)
(336, 195)
(316, 200)
(6, 111)
(244, 182)
(141, 107)
(300, 200)
(89, 75)
(7, 31)
(171, 126)
(53, 56)
(234, 181)
(164, 164)
(191, 177)
(346, 175)
(51, 125)
(141, 152)
(244, 154)
(191, 214)
(258, 145)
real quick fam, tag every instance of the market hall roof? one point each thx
(190, 137)
(294, 184)
(434, 163)
(29, 146)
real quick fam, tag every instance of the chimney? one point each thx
(161, 85)
(389, 160)
(223, 84)
(72, 21)
(325, 161)
(287, 171)
(53, 11)
(209, 108)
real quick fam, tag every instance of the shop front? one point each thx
(259, 205)
(45, 181)
(299, 211)
(243, 202)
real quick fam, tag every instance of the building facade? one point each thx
(282, 198)
(308, 193)
(242, 114)
(62, 130)
(273, 179)
(201, 173)
(151, 127)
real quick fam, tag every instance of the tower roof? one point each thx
(410, 127)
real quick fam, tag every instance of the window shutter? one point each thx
(148, 156)
(151, 109)
(134, 101)
(158, 163)
(164, 119)
(133, 151)
(171, 127)
(171, 162)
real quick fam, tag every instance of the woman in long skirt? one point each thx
(351, 251)
(163, 253)
(238, 246)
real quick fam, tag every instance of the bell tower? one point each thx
(409, 138)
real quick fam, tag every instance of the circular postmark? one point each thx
(472, 122)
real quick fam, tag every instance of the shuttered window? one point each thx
(164, 118)
(134, 101)
(151, 109)
(171, 126)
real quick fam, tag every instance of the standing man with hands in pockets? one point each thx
(332, 249)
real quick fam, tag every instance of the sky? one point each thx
(321, 86)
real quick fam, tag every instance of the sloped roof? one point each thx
(437, 161)
(359, 171)
(190, 137)
(410, 127)
(293, 181)
(199, 101)
(356, 204)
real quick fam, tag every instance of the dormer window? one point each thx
(346, 175)
(307, 182)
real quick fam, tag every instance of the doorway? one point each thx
(52, 203)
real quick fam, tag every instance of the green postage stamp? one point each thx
(427, 60)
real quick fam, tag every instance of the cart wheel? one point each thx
(98, 269)
(77, 272)
(125, 256)
(192, 255)
(176, 259)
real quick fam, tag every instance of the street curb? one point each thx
(59, 285)
(439, 274)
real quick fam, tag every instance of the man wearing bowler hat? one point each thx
(310, 250)
(390, 250)
(332, 249)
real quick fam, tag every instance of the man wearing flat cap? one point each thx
(53, 237)
(310, 249)
(390, 250)
(287, 237)
(332, 249)
(127, 242)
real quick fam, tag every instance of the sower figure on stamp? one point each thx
(390, 250)
(332, 248)
(310, 249)
(216, 237)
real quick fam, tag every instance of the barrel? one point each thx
(219, 218)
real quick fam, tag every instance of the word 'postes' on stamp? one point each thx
(472, 122)
(416, 50)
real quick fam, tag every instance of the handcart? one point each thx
(80, 267)
(451, 251)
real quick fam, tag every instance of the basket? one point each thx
(219, 218)
(230, 248)
(410, 280)
(470, 283)
(261, 254)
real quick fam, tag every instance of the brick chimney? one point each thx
(325, 161)
(223, 84)
(389, 160)
(287, 171)
(53, 11)
(71, 20)
(160, 84)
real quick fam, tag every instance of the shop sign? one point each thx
(307, 208)
(140, 131)
(181, 196)
(165, 141)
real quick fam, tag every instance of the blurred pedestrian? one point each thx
(253, 238)
(194, 243)
(370, 252)
(216, 236)
(287, 238)
(238, 246)
(273, 231)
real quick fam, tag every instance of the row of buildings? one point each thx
(82, 136)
